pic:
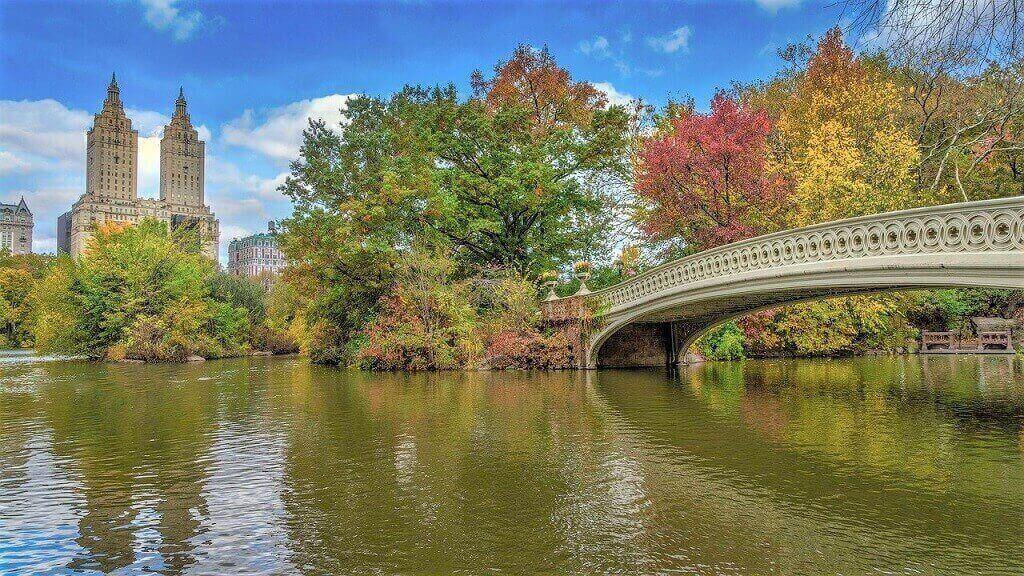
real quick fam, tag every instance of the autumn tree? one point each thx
(704, 179)
(495, 179)
(532, 80)
(845, 137)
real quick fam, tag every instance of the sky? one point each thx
(254, 73)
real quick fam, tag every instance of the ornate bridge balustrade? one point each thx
(967, 244)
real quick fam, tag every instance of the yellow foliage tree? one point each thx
(844, 139)
(844, 131)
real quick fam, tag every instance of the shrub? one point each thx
(139, 292)
(723, 342)
(426, 323)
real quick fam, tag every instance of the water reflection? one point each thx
(273, 466)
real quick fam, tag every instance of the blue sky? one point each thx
(253, 74)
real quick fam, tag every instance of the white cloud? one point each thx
(43, 132)
(9, 163)
(279, 135)
(598, 47)
(228, 176)
(230, 232)
(677, 40)
(774, 5)
(149, 166)
(614, 96)
(147, 122)
(165, 16)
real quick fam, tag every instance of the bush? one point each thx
(266, 339)
(140, 292)
(723, 342)
(425, 323)
(530, 349)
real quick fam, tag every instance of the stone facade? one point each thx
(111, 194)
(16, 228)
(256, 255)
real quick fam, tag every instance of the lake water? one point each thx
(273, 466)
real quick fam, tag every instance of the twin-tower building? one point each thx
(112, 176)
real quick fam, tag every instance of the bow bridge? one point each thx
(653, 318)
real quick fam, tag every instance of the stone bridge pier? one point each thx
(653, 318)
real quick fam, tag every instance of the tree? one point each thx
(141, 292)
(426, 323)
(532, 80)
(706, 179)
(495, 179)
(18, 274)
(844, 134)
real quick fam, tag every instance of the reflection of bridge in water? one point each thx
(652, 319)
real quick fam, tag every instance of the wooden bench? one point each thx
(938, 340)
(994, 340)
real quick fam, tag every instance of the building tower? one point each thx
(112, 152)
(16, 228)
(182, 156)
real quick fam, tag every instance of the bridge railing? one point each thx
(981, 226)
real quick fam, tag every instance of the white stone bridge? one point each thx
(652, 319)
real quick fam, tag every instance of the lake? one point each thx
(272, 466)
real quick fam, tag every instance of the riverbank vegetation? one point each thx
(412, 210)
(143, 293)
(423, 223)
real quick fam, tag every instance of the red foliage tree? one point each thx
(704, 178)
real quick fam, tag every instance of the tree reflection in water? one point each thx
(275, 466)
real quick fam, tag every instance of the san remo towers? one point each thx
(112, 168)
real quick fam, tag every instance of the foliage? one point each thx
(952, 309)
(240, 292)
(844, 132)
(425, 323)
(18, 275)
(138, 292)
(495, 180)
(705, 178)
(723, 342)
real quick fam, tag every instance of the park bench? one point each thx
(994, 340)
(938, 340)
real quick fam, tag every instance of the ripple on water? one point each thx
(271, 466)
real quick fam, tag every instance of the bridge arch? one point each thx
(970, 244)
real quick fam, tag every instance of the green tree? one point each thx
(137, 292)
(493, 179)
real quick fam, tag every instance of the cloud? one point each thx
(677, 40)
(278, 134)
(769, 49)
(601, 49)
(598, 47)
(230, 232)
(43, 133)
(773, 6)
(165, 16)
(9, 163)
(147, 122)
(614, 96)
(228, 176)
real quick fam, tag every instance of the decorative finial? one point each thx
(113, 81)
(181, 92)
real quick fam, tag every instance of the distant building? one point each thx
(111, 189)
(16, 228)
(256, 255)
(64, 233)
